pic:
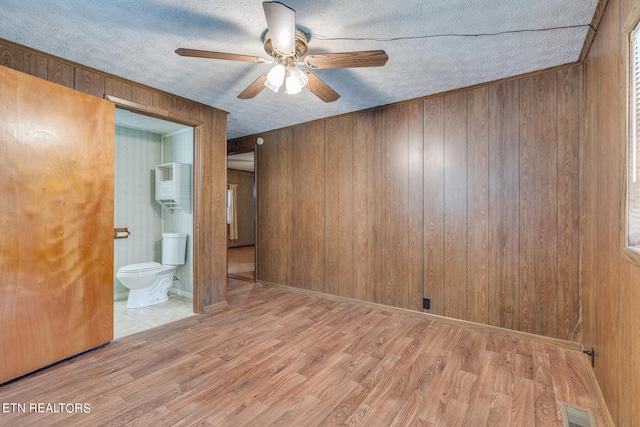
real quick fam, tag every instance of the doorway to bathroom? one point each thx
(143, 146)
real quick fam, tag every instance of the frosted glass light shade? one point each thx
(295, 81)
(275, 78)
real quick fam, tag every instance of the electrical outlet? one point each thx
(426, 303)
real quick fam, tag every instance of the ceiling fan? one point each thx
(287, 46)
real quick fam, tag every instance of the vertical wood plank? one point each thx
(274, 245)
(218, 228)
(376, 178)
(504, 205)
(362, 244)
(568, 204)
(589, 198)
(396, 198)
(59, 72)
(478, 207)
(264, 179)
(527, 229)
(415, 220)
(434, 204)
(23, 60)
(89, 82)
(164, 102)
(203, 209)
(538, 204)
(625, 365)
(455, 205)
(611, 119)
(183, 106)
(627, 383)
(284, 219)
(308, 206)
(332, 186)
(345, 206)
(143, 96)
(627, 362)
(119, 88)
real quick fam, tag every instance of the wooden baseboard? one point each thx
(594, 384)
(570, 345)
(213, 307)
(240, 277)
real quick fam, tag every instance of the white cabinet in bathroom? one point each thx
(173, 186)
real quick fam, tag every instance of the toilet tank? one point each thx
(174, 248)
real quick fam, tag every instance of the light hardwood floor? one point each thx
(277, 357)
(241, 263)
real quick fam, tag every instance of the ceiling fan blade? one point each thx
(219, 55)
(254, 88)
(370, 58)
(281, 21)
(320, 88)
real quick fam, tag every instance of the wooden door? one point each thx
(56, 223)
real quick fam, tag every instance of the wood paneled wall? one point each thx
(610, 281)
(210, 241)
(245, 206)
(469, 199)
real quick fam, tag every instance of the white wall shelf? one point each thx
(173, 186)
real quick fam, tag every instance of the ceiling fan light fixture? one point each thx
(295, 81)
(287, 46)
(275, 78)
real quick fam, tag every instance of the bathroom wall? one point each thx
(137, 153)
(178, 147)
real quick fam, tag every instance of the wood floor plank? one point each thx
(500, 411)
(348, 406)
(478, 411)
(450, 414)
(278, 357)
(547, 408)
(523, 402)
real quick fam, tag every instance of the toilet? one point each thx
(148, 282)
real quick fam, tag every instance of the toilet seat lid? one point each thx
(139, 268)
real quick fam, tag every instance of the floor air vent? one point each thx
(577, 417)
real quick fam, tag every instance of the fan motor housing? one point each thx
(301, 46)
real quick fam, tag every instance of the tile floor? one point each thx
(128, 321)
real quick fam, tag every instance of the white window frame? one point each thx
(631, 231)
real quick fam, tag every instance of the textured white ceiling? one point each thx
(433, 46)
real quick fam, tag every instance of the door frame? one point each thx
(197, 125)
